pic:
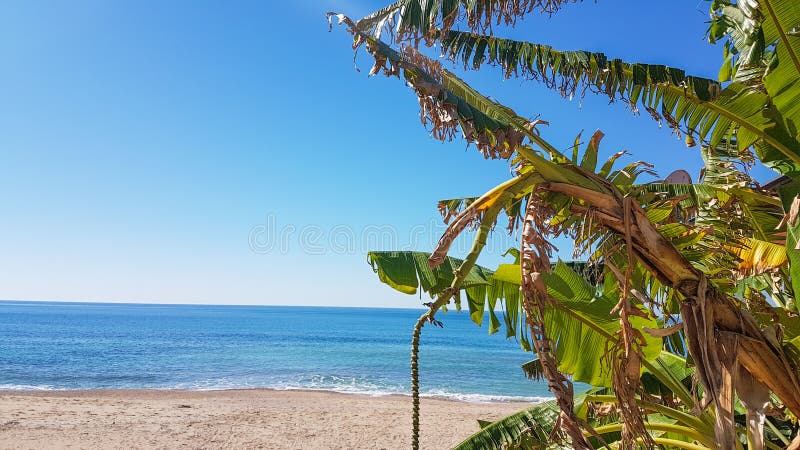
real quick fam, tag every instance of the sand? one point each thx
(234, 419)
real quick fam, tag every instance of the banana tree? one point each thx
(716, 257)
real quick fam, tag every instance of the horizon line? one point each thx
(113, 302)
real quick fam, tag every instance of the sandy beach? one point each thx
(235, 419)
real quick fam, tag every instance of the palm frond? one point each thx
(579, 318)
(424, 18)
(781, 19)
(582, 319)
(451, 208)
(745, 54)
(533, 370)
(758, 256)
(532, 426)
(693, 105)
(408, 271)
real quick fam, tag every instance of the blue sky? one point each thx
(154, 151)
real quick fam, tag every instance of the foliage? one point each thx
(683, 317)
(529, 428)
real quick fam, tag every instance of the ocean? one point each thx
(55, 345)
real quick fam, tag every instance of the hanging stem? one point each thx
(535, 261)
(489, 218)
(415, 380)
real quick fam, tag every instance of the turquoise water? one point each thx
(358, 350)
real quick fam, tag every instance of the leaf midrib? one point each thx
(741, 121)
(782, 33)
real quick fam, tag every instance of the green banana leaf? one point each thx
(409, 271)
(529, 428)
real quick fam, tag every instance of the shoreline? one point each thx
(493, 399)
(233, 418)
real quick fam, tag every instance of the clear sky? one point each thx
(228, 152)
